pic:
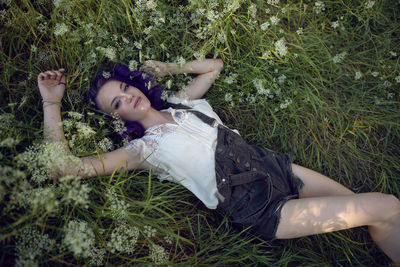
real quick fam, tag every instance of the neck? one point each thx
(155, 117)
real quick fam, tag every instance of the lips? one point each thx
(137, 102)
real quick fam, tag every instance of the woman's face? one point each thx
(126, 100)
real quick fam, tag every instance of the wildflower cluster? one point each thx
(158, 254)
(118, 207)
(123, 238)
(44, 159)
(74, 192)
(31, 245)
(78, 133)
(79, 238)
(119, 125)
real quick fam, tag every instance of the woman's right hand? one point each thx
(157, 68)
(52, 85)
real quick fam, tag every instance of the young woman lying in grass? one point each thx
(185, 141)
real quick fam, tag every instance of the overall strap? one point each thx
(203, 117)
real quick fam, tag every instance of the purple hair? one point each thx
(136, 78)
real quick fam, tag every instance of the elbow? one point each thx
(219, 64)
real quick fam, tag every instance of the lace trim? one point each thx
(154, 135)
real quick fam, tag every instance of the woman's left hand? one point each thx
(157, 68)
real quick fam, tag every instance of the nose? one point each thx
(127, 97)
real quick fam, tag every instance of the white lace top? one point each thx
(183, 152)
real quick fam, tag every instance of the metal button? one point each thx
(247, 164)
(238, 160)
(223, 180)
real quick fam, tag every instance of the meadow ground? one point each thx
(316, 79)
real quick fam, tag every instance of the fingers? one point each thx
(52, 74)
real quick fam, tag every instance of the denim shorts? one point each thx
(255, 183)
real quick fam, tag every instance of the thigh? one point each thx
(309, 216)
(317, 184)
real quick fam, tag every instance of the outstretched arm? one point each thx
(52, 86)
(208, 70)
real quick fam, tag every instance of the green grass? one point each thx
(346, 128)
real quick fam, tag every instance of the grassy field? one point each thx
(316, 79)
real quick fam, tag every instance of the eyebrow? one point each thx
(120, 87)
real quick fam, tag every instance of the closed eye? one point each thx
(117, 104)
(126, 87)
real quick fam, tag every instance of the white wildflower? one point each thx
(387, 84)
(31, 244)
(109, 52)
(158, 254)
(390, 95)
(199, 55)
(357, 75)
(228, 97)
(76, 193)
(137, 45)
(264, 26)
(40, 198)
(148, 30)
(267, 11)
(79, 238)
(106, 75)
(33, 48)
(231, 78)
(168, 84)
(9, 142)
(75, 115)
(338, 58)
(397, 79)
(164, 95)
(84, 130)
(60, 29)
(42, 159)
(181, 61)
(266, 54)
(273, 2)
(299, 31)
(274, 20)
(253, 10)
(119, 125)
(319, 7)
(105, 144)
(259, 85)
(251, 99)
(118, 207)
(133, 65)
(393, 54)
(151, 5)
(221, 37)
(96, 256)
(149, 231)
(285, 104)
(369, 4)
(375, 73)
(335, 24)
(168, 239)
(280, 47)
(123, 238)
(281, 79)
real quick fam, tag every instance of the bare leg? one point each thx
(318, 185)
(315, 215)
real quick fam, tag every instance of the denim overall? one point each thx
(254, 182)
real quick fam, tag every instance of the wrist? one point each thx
(47, 103)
